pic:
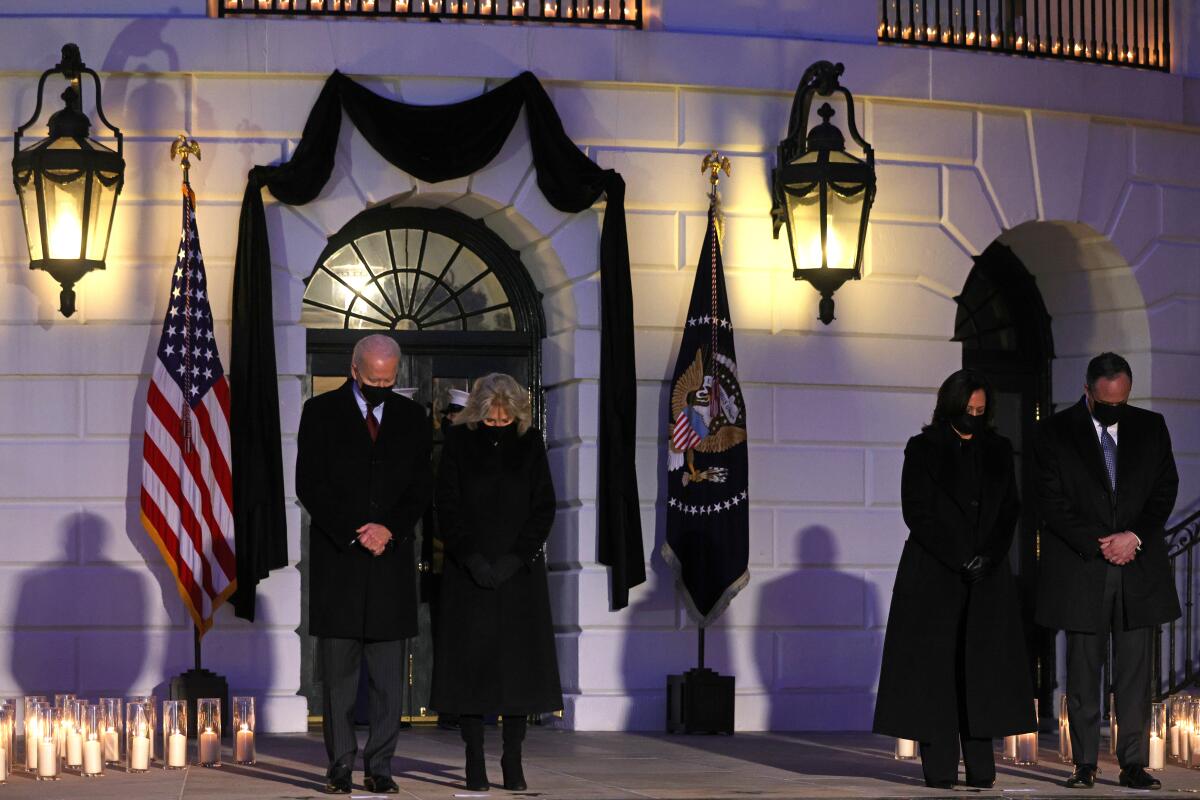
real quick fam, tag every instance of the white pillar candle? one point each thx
(47, 759)
(3, 765)
(74, 748)
(244, 750)
(177, 750)
(210, 748)
(906, 748)
(1156, 752)
(31, 747)
(1010, 747)
(139, 752)
(1193, 749)
(1027, 748)
(112, 745)
(1175, 740)
(92, 760)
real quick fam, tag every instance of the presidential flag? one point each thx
(187, 489)
(708, 502)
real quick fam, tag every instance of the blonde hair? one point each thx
(497, 388)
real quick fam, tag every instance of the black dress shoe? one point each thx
(982, 784)
(514, 776)
(338, 781)
(380, 784)
(1138, 778)
(1084, 777)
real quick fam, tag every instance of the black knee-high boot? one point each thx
(471, 728)
(510, 762)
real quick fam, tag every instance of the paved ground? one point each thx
(601, 766)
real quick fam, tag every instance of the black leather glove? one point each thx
(974, 570)
(481, 571)
(505, 567)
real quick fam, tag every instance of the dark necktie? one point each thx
(1109, 446)
(372, 423)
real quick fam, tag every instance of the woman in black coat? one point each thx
(954, 662)
(495, 652)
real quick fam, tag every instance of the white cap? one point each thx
(406, 391)
(458, 398)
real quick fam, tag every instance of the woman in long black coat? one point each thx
(494, 652)
(954, 662)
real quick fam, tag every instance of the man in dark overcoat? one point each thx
(954, 664)
(1106, 484)
(363, 475)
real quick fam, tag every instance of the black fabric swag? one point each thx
(432, 143)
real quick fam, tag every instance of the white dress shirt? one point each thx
(362, 404)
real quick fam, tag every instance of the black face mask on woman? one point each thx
(969, 424)
(499, 433)
(375, 395)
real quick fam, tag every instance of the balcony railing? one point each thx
(1130, 33)
(622, 13)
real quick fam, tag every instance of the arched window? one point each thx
(418, 269)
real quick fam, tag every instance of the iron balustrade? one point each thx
(1181, 669)
(1131, 33)
(622, 13)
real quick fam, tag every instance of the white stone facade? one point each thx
(1090, 173)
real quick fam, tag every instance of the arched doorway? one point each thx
(460, 304)
(1005, 332)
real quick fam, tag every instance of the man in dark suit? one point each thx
(363, 475)
(1106, 484)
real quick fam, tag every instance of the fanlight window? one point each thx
(397, 271)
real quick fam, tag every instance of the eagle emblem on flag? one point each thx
(709, 414)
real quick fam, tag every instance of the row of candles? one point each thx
(1174, 730)
(1045, 46)
(72, 735)
(571, 9)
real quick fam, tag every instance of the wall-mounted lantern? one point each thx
(68, 184)
(821, 193)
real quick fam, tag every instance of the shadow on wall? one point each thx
(104, 651)
(826, 623)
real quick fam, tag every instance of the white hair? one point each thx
(377, 345)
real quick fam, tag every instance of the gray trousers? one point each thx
(341, 666)
(1086, 654)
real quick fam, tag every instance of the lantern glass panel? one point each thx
(64, 191)
(29, 209)
(100, 214)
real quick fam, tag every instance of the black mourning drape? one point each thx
(432, 143)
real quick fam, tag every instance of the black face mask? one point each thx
(969, 424)
(1107, 415)
(375, 395)
(499, 433)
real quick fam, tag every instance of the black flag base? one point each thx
(700, 701)
(198, 684)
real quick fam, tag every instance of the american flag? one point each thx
(187, 490)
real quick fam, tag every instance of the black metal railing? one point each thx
(623, 13)
(1181, 669)
(1131, 33)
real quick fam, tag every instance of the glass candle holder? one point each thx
(61, 700)
(1010, 748)
(33, 730)
(70, 736)
(1193, 734)
(1064, 731)
(1027, 743)
(906, 750)
(112, 727)
(1113, 731)
(208, 731)
(48, 726)
(6, 740)
(174, 733)
(243, 727)
(139, 734)
(152, 705)
(91, 729)
(1158, 737)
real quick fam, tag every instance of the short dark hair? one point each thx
(955, 393)
(1109, 366)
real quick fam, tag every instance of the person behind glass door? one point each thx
(1106, 485)
(363, 475)
(494, 652)
(954, 667)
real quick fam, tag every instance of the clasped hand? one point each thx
(1119, 548)
(374, 537)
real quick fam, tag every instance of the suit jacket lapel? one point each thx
(1088, 444)
(1128, 455)
(356, 423)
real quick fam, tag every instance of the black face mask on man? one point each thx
(375, 395)
(1107, 414)
(969, 424)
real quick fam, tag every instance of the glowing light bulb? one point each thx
(66, 237)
